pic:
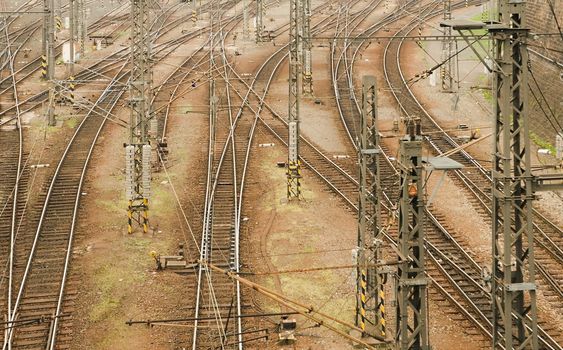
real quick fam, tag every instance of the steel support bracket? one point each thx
(414, 282)
(550, 182)
(520, 286)
(370, 151)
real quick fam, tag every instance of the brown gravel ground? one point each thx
(117, 275)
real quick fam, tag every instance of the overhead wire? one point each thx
(551, 7)
(557, 129)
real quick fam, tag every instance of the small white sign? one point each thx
(66, 53)
(432, 80)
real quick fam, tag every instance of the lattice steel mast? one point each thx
(81, 26)
(245, 26)
(259, 20)
(48, 59)
(138, 150)
(513, 282)
(307, 46)
(371, 294)
(4, 50)
(412, 328)
(293, 162)
(447, 69)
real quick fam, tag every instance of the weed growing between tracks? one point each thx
(291, 238)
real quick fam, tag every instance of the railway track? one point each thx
(28, 69)
(439, 241)
(41, 273)
(454, 250)
(222, 219)
(476, 181)
(99, 69)
(38, 307)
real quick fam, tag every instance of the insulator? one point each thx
(293, 141)
(559, 146)
(154, 127)
(307, 61)
(146, 176)
(129, 171)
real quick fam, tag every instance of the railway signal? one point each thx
(411, 293)
(138, 150)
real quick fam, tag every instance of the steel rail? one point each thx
(544, 336)
(43, 216)
(109, 93)
(106, 64)
(15, 190)
(212, 182)
(356, 104)
(209, 195)
(553, 250)
(113, 102)
(373, 29)
(34, 63)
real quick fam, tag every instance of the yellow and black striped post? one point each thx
(59, 23)
(130, 218)
(146, 215)
(43, 67)
(363, 298)
(194, 16)
(381, 308)
(294, 179)
(71, 87)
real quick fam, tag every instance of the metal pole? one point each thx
(447, 69)
(259, 20)
(307, 46)
(293, 163)
(81, 26)
(371, 291)
(245, 20)
(138, 151)
(5, 58)
(513, 266)
(72, 29)
(412, 313)
(50, 54)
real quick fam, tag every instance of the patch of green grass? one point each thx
(161, 198)
(71, 123)
(138, 244)
(542, 143)
(52, 129)
(111, 278)
(110, 205)
(104, 307)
